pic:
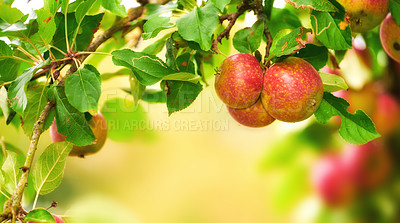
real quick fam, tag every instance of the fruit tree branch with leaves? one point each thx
(51, 84)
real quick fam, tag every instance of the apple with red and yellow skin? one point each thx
(255, 116)
(240, 81)
(364, 15)
(292, 90)
(56, 218)
(368, 165)
(332, 182)
(97, 124)
(390, 37)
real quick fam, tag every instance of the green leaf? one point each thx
(70, 122)
(16, 92)
(40, 216)
(268, 5)
(87, 28)
(37, 100)
(52, 6)
(8, 70)
(8, 14)
(83, 89)
(49, 169)
(11, 172)
(81, 12)
(248, 40)
(155, 25)
(125, 120)
(137, 89)
(157, 46)
(315, 55)
(282, 19)
(220, 4)
(287, 44)
(9, 147)
(319, 5)
(114, 6)
(147, 68)
(170, 53)
(199, 25)
(183, 76)
(154, 10)
(5, 50)
(181, 94)
(188, 4)
(185, 63)
(356, 128)
(333, 82)
(47, 27)
(154, 97)
(394, 7)
(332, 29)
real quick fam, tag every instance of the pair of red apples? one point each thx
(289, 91)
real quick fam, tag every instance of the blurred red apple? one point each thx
(387, 114)
(332, 182)
(368, 165)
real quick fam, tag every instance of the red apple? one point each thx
(97, 124)
(387, 114)
(390, 37)
(365, 14)
(240, 81)
(255, 116)
(332, 182)
(368, 165)
(292, 90)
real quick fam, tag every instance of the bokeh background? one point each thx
(200, 166)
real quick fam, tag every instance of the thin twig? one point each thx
(232, 17)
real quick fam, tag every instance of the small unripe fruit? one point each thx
(368, 165)
(365, 14)
(239, 82)
(332, 182)
(292, 90)
(390, 37)
(97, 124)
(254, 116)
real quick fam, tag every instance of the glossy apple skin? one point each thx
(390, 37)
(255, 116)
(368, 165)
(331, 181)
(56, 218)
(239, 82)
(365, 14)
(97, 124)
(292, 90)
